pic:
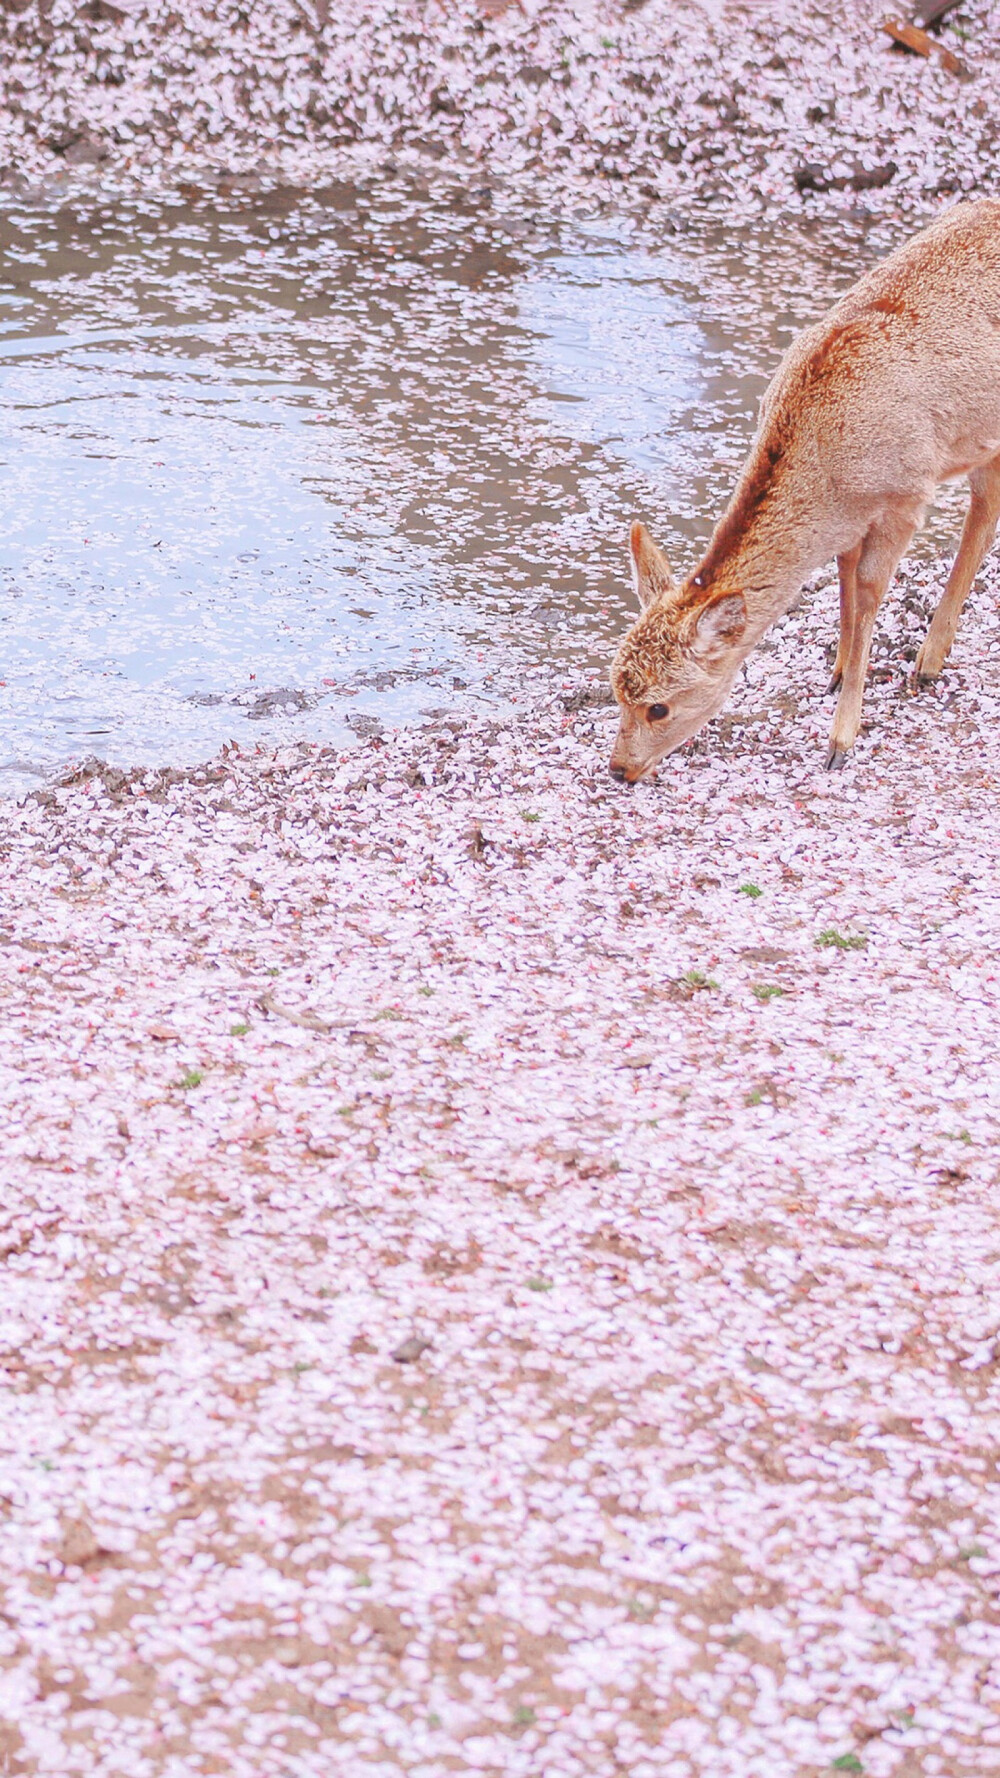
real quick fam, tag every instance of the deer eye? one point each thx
(657, 712)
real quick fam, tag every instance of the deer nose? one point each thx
(617, 773)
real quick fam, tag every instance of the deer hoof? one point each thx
(837, 758)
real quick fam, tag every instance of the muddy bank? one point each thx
(738, 107)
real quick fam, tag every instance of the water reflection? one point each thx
(280, 459)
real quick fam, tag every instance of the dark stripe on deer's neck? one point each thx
(740, 542)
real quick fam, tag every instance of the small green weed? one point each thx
(750, 889)
(540, 1284)
(389, 1012)
(754, 1097)
(238, 1030)
(192, 1077)
(274, 970)
(832, 940)
(641, 1610)
(426, 992)
(956, 1136)
(528, 815)
(434, 1721)
(765, 991)
(524, 1716)
(971, 1550)
(696, 978)
(848, 1762)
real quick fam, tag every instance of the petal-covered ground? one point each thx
(736, 104)
(502, 1274)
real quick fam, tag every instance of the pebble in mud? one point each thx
(410, 1350)
(696, 1206)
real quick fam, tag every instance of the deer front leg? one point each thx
(878, 556)
(977, 535)
(847, 567)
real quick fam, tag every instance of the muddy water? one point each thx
(280, 464)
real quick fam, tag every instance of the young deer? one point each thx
(895, 391)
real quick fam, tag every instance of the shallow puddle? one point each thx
(290, 464)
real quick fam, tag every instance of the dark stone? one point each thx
(262, 704)
(365, 726)
(85, 153)
(811, 177)
(931, 12)
(589, 697)
(873, 178)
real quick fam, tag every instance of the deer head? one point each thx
(675, 666)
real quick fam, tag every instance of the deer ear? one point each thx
(719, 624)
(651, 574)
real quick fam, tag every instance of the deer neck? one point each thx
(764, 546)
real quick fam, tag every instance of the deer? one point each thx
(896, 390)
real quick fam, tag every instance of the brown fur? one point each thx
(760, 482)
(896, 390)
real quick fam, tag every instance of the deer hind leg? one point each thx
(977, 535)
(878, 556)
(847, 567)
